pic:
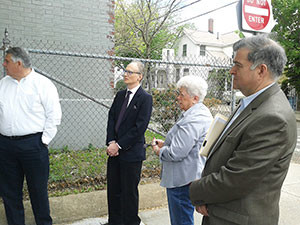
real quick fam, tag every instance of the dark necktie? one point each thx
(123, 109)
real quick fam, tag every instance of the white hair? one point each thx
(194, 86)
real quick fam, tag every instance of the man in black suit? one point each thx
(128, 119)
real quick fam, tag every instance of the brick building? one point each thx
(68, 26)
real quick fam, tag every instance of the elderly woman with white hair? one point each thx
(179, 153)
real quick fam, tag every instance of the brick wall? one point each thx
(88, 23)
(82, 26)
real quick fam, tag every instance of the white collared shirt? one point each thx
(29, 106)
(133, 91)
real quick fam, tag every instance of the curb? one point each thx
(70, 208)
(297, 115)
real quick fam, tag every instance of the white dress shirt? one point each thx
(133, 91)
(29, 106)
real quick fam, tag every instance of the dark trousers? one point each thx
(122, 191)
(18, 158)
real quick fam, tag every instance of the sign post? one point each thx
(257, 16)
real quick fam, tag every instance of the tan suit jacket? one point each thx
(244, 172)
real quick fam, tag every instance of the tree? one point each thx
(287, 15)
(143, 29)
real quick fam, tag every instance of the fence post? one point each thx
(5, 46)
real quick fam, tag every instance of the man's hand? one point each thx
(113, 149)
(202, 209)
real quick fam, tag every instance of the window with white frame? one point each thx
(184, 50)
(202, 50)
(186, 71)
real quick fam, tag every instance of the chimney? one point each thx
(211, 26)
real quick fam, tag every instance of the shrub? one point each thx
(166, 111)
(165, 108)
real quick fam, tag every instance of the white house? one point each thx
(202, 45)
(197, 53)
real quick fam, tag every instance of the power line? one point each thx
(205, 13)
(192, 3)
(182, 7)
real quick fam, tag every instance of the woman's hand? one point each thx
(159, 142)
(156, 145)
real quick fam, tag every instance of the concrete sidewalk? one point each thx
(152, 195)
(91, 208)
(297, 114)
(289, 205)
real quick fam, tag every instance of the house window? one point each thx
(184, 50)
(186, 71)
(202, 50)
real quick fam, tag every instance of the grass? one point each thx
(76, 171)
(80, 171)
(73, 172)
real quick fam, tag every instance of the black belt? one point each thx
(20, 137)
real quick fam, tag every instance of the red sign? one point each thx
(256, 13)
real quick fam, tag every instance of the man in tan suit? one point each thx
(245, 169)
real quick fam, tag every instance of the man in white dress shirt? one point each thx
(29, 113)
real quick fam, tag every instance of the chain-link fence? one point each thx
(87, 81)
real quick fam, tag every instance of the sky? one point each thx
(225, 19)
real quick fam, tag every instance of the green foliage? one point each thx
(150, 135)
(240, 33)
(70, 165)
(151, 166)
(286, 13)
(77, 171)
(120, 86)
(143, 28)
(211, 102)
(216, 81)
(165, 108)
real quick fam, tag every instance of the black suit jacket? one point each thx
(130, 135)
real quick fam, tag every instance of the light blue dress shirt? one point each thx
(180, 159)
(244, 103)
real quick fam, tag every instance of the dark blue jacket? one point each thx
(130, 135)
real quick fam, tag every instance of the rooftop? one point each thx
(212, 39)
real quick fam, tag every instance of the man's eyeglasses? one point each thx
(129, 73)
